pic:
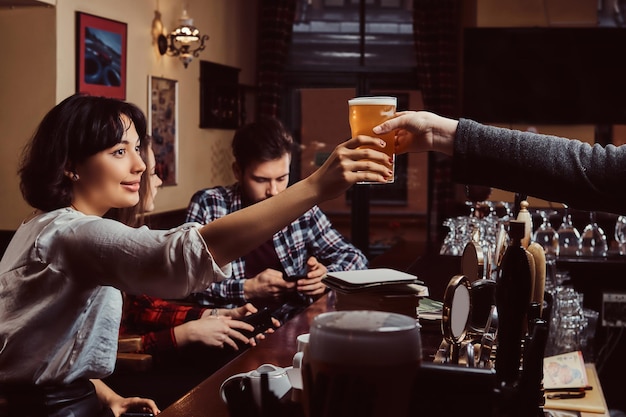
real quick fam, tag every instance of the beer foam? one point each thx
(375, 100)
(365, 337)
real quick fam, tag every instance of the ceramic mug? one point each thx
(360, 363)
(302, 342)
(278, 381)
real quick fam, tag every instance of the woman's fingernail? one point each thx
(391, 160)
(376, 129)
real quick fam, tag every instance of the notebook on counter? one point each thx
(375, 279)
(379, 289)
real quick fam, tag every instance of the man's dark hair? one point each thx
(263, 140)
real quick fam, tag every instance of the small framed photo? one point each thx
(163, 126)
(100, 56)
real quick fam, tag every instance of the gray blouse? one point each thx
(556, 169)
(60, 282)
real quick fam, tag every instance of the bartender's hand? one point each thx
(269, 284)
(421, 131)
(312, 284)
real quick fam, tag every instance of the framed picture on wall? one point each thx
(163, 126)
(220, 99)
(100, 56)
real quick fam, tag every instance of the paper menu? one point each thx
(592, 402)
(566, 370)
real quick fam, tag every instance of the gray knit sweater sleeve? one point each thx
(556, 169)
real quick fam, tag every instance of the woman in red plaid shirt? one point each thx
(165, 326)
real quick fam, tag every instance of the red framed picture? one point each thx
(100, 56)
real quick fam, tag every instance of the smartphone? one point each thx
(137, 414)
(293, 278)
(261, 321)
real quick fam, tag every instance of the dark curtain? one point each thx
(275, 28)
(437, 33)
(437, 28)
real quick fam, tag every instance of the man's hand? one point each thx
(267, 284)
(312, 284)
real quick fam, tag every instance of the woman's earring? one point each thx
(74, 177)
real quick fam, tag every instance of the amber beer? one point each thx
(367, 112)
(360, 363)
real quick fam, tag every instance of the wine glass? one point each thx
(593, 239)
(472, 207)
(447, 247)
(620, 234)
(545, 234)
(509, 207)
(569, 237)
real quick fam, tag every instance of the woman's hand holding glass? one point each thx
(349, 164)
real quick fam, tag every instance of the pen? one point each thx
(580, 389)
(566, 395)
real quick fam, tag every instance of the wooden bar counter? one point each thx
(278, 349)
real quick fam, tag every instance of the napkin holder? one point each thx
(378, 289)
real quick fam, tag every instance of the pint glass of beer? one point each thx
(367, 112)
(360, 363)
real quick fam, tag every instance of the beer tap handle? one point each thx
(531, 392)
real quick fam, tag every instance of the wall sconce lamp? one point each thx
(185, 42)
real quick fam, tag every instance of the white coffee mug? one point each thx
(302, 341)
(278, 382)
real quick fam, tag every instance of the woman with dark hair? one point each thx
(61, 275)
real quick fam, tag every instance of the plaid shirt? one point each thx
(310, 235)
(154, 319)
